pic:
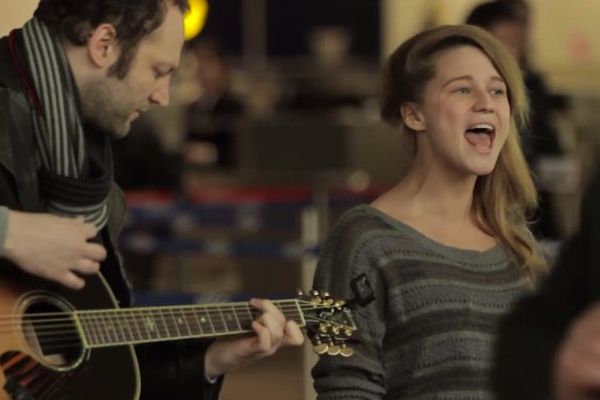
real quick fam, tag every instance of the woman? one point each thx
(447, 249)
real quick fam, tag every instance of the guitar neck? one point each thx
(111, 327)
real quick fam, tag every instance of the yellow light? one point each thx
(195, 18)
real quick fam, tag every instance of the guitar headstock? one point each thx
(329, 323)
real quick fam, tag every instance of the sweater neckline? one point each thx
(494, 254)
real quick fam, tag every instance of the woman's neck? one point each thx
(443, 196)
(440, 209)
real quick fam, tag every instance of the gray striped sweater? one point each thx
(429, 332)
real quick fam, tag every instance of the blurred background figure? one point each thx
(508, 20)
(212, 116)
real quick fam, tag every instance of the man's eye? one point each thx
(462, 90)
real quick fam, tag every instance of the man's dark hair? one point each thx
(72, 20)
(489, 13)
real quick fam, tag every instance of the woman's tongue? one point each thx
(479, 140)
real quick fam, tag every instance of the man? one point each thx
(77, 74)
(508, 21)
(549, 345)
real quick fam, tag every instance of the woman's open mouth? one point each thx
(481, 136)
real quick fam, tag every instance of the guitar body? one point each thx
(32, 367)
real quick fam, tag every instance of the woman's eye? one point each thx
(498, 92)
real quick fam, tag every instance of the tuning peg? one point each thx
(348, 331)
(346, 351)
(334, 350)
(340, 303)
(325, 295)
(300, 292)
(324, 327)
(320, 348)
(328, 302)
(314, 293)
(335, 330)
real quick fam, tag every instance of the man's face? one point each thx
(513, 35)
(111, 104)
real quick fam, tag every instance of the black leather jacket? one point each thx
(168, 370)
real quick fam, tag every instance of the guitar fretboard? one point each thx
(103, 328)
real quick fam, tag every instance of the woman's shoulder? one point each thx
(362, 221)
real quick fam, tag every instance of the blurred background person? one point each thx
(508, 20)
(211, 119)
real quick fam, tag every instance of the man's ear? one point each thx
(412, 117)
(102, 45)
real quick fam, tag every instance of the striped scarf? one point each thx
(72, 180)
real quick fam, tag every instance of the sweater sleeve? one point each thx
(343, 259)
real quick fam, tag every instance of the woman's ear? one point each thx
(412, 117)
(102, 45)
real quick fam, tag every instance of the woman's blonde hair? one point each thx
(503, 198)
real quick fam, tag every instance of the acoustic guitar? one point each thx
(57, 343)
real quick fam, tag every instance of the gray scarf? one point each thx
(72, 182)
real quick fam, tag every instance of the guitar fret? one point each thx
(163, 323)
(194, 322)
(107, 328)
(247, 319)
(218, 320)
(181, 322)
(139, 324)
(293, 314)
(205, 321)
(98, 328)
(125, 322)
(230, 323)
(88, 330)
(237, 320)
(167, 317)
(116, 326)
(185, 321)
(173, 326)
(150, 325)
(133, 327)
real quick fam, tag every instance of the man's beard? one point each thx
(101, 108)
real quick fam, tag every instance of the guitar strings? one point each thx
(199, 310)
(143, 312)
(71, 338)
(49, 326)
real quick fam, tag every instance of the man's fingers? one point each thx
(293, 335)
(89, 230)
(267, 307)
(88, 267)
(72, 281)
(274, 328)
(263, 337)
(95, 252)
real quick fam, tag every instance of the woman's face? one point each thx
(464, 118)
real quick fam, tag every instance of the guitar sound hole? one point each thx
(52, 334)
